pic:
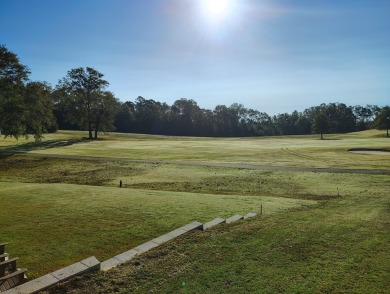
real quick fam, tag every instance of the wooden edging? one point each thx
(2, 248)
(92, 264)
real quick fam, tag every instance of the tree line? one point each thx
(185, 118)
(81, 101)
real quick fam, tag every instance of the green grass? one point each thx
(320, 232)
(170, 177)
(339, 246)
(296, 151)
(50, 226)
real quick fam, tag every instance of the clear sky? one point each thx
(273, 56)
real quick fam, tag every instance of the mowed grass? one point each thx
(320, 232)
(177, 178)
(271, 256)
(338, 246)
(50, 226)
(295, 151)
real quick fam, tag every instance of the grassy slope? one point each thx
(83, 207)
(339, 245)
(265, 256)
(52, 225)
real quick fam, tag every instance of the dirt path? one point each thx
(214, 164)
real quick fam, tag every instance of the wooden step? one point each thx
(2, 248)
(12, 280)
(8, 266)
(3, 257)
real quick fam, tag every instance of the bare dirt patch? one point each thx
(370, 151)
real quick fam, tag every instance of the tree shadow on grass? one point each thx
(31, 146)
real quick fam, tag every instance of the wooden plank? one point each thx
(2, 248)
(2, 288)
(10, 263)
(12, 280)
(14, 274)
(5, 286)
(3, 257)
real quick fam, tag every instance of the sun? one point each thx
(216, 11)
(217, 20)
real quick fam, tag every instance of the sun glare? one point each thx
(217, 20)
(216, 11)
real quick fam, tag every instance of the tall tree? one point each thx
(184, 116)
(38, 101)
(222, 121)
(382, 120)
(321, 124)
(229, 121)
(124, 118)
(13, 75)
(303, 125)
(341, 118)
(83, 88)
(256, 123)
(237, 113)
(107, 106)
(59, 97)
(286, 123)
(204, 123)
(150, 116)
(25, 108)
(363, 116)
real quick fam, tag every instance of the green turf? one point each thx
(298, 151)
(168, 177)
(50, 226)
(340, 246)
(320, 232)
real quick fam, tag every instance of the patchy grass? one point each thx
(177, 178)
(297, 151)
(340, 246)
(321, 232)
(53, 225)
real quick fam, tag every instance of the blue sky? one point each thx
(273, 56)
